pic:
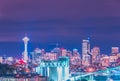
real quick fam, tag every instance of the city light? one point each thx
(62, 64)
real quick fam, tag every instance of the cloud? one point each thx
(64, 19)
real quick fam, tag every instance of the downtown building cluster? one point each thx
(67, 61)
(89, 57)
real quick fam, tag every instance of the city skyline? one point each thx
(18, 47)
(66, 40)
(64, 22)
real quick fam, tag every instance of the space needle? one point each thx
(25, 53)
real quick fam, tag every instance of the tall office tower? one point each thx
(35, 56)
(75, 51)
(69, 54)
(76, 59)
(56, 51)
(25, 53)
(95, 52)
(115, 50)
(63, 52)
(85, 52)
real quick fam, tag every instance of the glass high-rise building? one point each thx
(85, 52)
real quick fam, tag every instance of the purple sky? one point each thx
(59, 21)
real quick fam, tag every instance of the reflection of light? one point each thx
(59, 71)
(27, 70)
(109, 79)
(90, 69)
(95, 74)
(105, 74)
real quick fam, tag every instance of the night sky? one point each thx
(66, 22)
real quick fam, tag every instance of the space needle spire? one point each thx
(25, 53)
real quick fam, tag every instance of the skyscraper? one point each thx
(115, 50)
(95, 52)
(25, 53)
(63, 52)
(85, 51)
